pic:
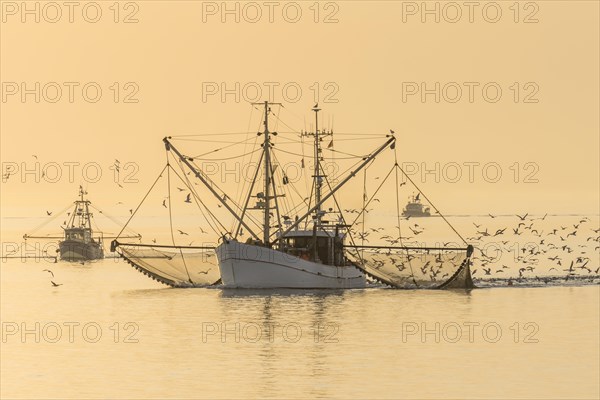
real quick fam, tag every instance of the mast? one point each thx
(87, 223)
(317, 173)
(268, 173)
(267, 152)
(81, 213)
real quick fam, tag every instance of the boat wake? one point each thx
(538, 281)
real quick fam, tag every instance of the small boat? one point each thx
(415, 208)
(79, 243)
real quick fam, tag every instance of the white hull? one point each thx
(249, 266)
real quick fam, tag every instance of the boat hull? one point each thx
(72, 250)
(250, 266)
(416, 214)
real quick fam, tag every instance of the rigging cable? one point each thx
(51, 219)
(143, 199)
(239, 195)
(197, 199)
(171, 217)
(396, 166)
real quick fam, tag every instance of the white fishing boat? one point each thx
(314, 249)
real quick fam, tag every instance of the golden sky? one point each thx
(367, 60)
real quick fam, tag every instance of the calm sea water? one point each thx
(110, 332)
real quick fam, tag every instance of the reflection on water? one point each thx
(159, 342)
(110, 332)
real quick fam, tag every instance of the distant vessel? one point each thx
(415, 208)
(79, 243)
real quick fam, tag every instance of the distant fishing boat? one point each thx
(311, 249)
(79, 242)
(415, 208)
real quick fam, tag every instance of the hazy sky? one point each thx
(370, 64)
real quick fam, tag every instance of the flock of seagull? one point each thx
(537, 251)
(552, 253)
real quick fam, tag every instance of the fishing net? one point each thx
(410, 268)
(176, 267)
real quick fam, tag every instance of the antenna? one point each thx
(317, 175)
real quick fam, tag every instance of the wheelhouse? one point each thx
(322, 246)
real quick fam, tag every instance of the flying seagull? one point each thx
(522, 218)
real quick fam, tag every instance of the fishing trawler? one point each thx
(415, 208)
(79, 242)
(313, 250)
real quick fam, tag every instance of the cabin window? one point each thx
(301, 246)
